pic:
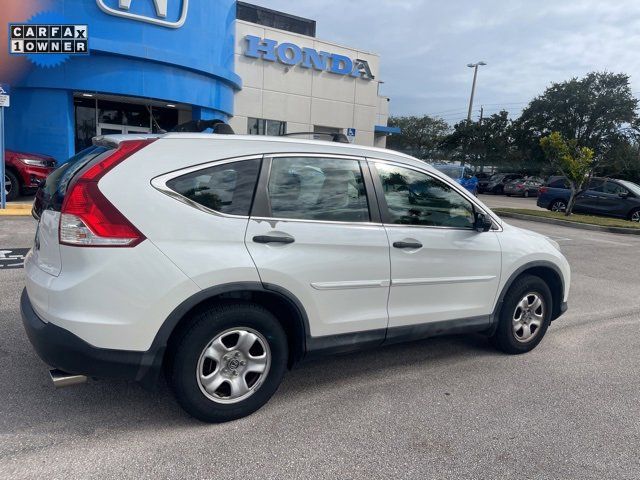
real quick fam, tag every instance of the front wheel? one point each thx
(11, 185)
(524, 317)
(228, 362)
(526, 194)
(634, 216)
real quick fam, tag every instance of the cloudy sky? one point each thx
(425, 45)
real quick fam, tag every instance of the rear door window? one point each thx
(313, 188)
(226, 188)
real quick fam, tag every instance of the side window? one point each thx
(614, 188)
(310, 188)
(226, 188)
(415, 198)
(596, 185)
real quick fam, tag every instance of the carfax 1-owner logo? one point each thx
(30, 39)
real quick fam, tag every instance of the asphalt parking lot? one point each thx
(441, 408)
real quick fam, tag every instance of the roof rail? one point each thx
(334, 137)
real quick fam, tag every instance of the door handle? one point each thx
(407, 245)
(272, 239)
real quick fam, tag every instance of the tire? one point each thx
(13, 190)
(508, 194)
(510, 336)
(226, 324)
(558, 205)
(526, 194)
(634, 216)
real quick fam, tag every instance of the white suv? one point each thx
(226, 259)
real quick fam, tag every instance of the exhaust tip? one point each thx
(62, 379)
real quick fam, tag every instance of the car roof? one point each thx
(272, 144)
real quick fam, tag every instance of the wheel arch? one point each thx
(549, 273)
(279, 301)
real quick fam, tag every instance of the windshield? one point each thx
(635, 188)
(453, 171)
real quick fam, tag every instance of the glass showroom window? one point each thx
(262, 126)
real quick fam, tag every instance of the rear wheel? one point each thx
(524, 317)
(634, 216)
(11, 185)
(558, 206)
(228, 362)
(526, 194)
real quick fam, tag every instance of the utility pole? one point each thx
(473, 86)
(481, 114)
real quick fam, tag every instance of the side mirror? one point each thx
(482, 223)
(623, 194)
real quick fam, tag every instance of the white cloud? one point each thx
(425, 45)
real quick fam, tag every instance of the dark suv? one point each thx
(603, 196)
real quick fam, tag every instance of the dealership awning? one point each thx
(384, 130)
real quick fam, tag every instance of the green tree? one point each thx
(419, 137)
(573, 161)
(597, 111)
(481, 143)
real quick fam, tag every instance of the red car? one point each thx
(25, 171)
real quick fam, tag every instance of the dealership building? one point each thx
(155, 64)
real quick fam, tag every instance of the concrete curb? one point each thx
(17, 209)
(567, 223)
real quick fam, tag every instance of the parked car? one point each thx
(25, 171)
(463, 175)
(224, 260)
(496, 183)
(523, 187)
(603, 196)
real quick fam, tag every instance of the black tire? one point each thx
(634, 215)
(508, 194)
(13, 193)
(186, 350)
(505, 338)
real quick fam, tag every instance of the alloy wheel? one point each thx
(528, 317)
(558, 206)
(8, 185)
(233, 365)
(635, 216)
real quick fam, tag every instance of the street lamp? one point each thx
(473, 86)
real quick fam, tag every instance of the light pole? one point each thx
(473, 86)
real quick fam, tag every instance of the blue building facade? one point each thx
(152, 63)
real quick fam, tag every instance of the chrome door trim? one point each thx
(402, 282)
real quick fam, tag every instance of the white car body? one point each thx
(353, 287)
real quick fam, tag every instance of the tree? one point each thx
(481, 143)
(574, 162)
(420, 136)
(597, 111)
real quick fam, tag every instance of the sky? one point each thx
(425, 45)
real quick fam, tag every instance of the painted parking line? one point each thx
(12, 258)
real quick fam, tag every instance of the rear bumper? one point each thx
(61, 349)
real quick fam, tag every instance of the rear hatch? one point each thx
(51, 195)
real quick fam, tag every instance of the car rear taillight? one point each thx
(542, 189)
(87, 218)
